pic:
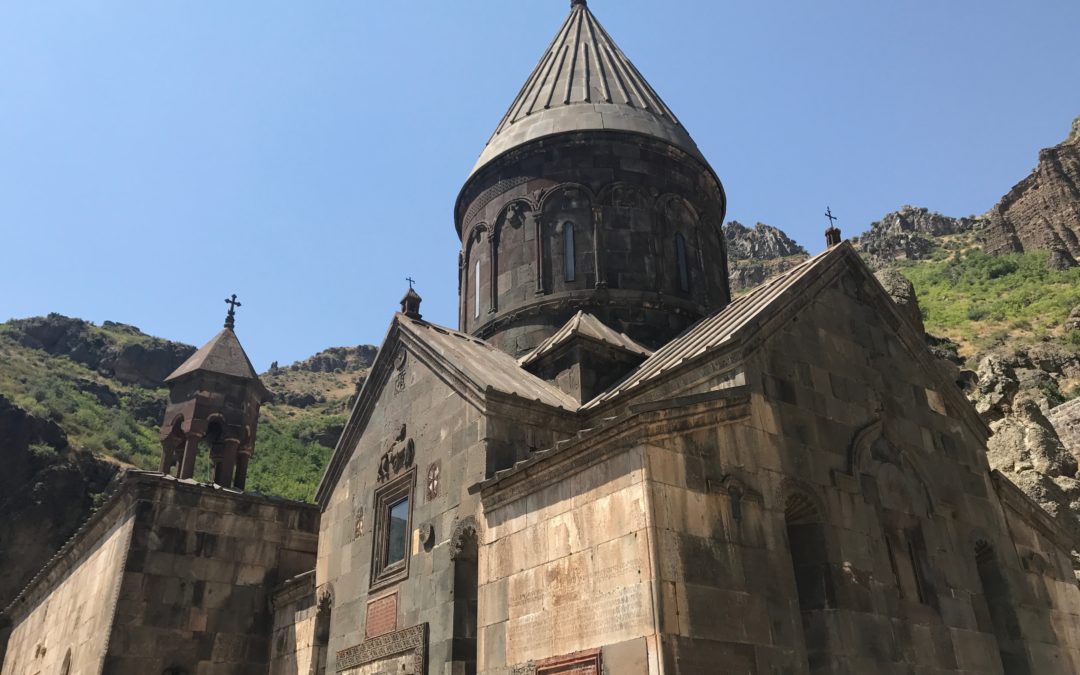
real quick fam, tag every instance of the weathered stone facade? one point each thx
(613, 467)
(168, 577)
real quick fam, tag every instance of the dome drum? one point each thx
(625, 225)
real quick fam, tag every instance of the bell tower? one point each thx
(590, 196)
(214, 400)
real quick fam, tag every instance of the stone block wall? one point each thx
(66, 619)
(447, 434)
(568, 568)
(294, 649)
(196, 589)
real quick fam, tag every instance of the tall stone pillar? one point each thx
(191, 451)
(242, 459)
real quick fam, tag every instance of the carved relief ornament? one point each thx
(398, 456)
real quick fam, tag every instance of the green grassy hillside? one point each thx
(983, 302)
(106, 404)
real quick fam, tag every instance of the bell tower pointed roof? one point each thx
(585, 82)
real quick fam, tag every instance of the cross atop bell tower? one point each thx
(230, 318)
(214, 400)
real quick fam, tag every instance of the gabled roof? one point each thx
(755, 310)
(585, 82)
(484, 365)
(587, 326)
(470, 365)
(713, 331)
(223, 354)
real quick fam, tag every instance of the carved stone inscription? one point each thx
(402, 652)
(381, 616)
(573, 606)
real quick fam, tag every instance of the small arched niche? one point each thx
(465, 553)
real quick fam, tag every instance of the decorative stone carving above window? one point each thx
(398, 457)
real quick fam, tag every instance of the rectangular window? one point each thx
(397, 537)
(393, 525)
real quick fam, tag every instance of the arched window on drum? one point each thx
(569, 252)
(681, 266)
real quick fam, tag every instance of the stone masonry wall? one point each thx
(850, 518)
(568, 568)
(75, 615)
(445, 431)
(293, 648)
(196, 589)
(853, 438)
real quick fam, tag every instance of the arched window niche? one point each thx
(681, 268)
(476, 291)
(569, 252)
(464, 552)
(804, 524)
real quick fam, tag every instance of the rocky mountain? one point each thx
(47, 488)
(911, 233)
(1042, 212)
(756, 254)
(116, 350)
(80, 403)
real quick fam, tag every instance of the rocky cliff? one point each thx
(116, 350)
(1043, 210)
(912, 233)
(756, 254)
(47, 489)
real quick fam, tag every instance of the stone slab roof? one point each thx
(222, 354)
(585, 82)
(589, 327)
(486, 366)
(714, 331)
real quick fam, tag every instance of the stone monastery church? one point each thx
(610, 466)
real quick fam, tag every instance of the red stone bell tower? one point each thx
(214, 400)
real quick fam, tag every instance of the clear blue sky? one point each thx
(156, 156)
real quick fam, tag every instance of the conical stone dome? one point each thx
(589, 197)
(584, 81)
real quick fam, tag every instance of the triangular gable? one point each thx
(747, 321)
(586, 326)
(468, 365)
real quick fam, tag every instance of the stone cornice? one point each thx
(589, 447)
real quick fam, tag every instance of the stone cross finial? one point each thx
(230, 318)
(832, 235)
(830, 216)
(411, 282)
